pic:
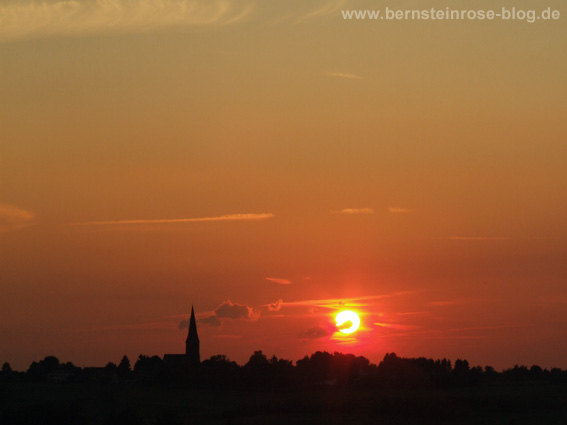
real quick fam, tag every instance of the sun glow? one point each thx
(344, 317)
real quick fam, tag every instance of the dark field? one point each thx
(86, 403)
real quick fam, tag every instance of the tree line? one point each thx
(320, 369)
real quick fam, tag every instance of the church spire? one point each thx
(192, 342)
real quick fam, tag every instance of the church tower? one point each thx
(192, 342)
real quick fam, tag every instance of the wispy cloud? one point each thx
(398, 210)
(279, 281)
(472, 332)
(315, 332)
(336, 303)
(484, 328)
(354, 211)
(343, 75)
(322, 9)
(396, 326)
(32, 18)
(478, 238)
(145, 324)
(14, 218)
(229, 217)
(447, 303)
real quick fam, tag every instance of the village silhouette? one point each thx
(320, 388)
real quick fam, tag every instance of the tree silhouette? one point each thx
(6, 369)
(111, 367)
(50, 363)
(7, 372)
(258, 361)
(148, 369)
(257, 370)
(220, 369)
(315, 369)
(124, 368)
(40, 370)
(490, 373)
(319, 369)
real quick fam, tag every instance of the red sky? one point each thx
(272, 165)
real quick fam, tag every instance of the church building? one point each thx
(192, 341)
(182, 366)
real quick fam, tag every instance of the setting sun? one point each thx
(347, 316)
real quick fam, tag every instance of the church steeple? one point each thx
(192, 342)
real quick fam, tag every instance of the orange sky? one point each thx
(293, 163)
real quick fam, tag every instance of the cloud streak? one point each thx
(14, 218)
(229, 217)
(395, 326)
(355, 211)
(343, 75)
(32, 18)
(335, 303)
(323, 9)
(398, 210)
(279, 281)
(477, 238)
(452, 333)
(447, 303)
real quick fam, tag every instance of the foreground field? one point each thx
(47, 403)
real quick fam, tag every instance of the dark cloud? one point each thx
(345, 325)
(184, 324)
(212, 320)
(231, 310)
(315, 332)
(227, 310)
(275, 306)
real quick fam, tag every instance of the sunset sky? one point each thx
(272, 164)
